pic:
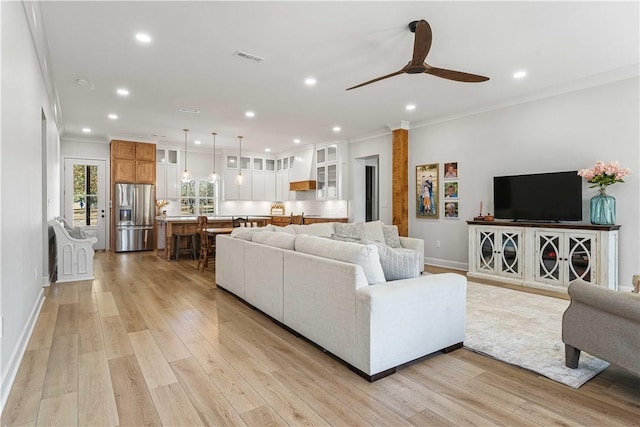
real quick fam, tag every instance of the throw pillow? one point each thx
(368, 230)
(345, 238)
(365, 256)
(77, 233)
(391, 236)
(350, 229)
(397, 263)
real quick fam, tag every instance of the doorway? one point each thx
(371, 189)
(84, 197)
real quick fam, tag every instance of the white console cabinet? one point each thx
(543, 255)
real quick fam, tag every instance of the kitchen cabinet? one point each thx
(123, 149)
(145, 151)
(167, 156)
(327, 173)
(544, 255)
(133, 162)
(167, 182)
(123, 170)
(145, 172)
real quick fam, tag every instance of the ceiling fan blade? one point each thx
(378, 79)
(458, 76)
(422, 42)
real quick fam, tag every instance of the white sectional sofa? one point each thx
(374, 328)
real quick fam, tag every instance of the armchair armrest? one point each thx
(416, 245)
(617, 303)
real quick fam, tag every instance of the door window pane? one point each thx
(85, 195)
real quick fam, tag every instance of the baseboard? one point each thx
(9, 375)
(447, 264)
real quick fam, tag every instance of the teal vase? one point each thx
(603, 209)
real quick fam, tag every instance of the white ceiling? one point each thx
(190, 63)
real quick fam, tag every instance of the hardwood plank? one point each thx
(133, 400)
(89, 332)
(131, 318)
(116, 341)
(87, 301)
(536, 414)
(231, 383)
(286, 403)
(154, 366)
(427, 417)
(96, 402)
(42, 334)
(324, 404)
(174, 406)
(69, 294)
(205, 396)
(23, 402)
(59, 411)
(62, 367)
(264, 416)
(67, 320)
(106, 304)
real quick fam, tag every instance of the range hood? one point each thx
(302, 185)
(301, 171)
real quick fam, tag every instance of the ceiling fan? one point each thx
(421, 46)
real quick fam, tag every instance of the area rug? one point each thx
(525, 330)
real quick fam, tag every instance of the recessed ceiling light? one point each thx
(82, 82)
(519, 74)
(113, 116)
(410, 107)
(250, 114)
(296, 141)
(268, 150)
(337, 129)
(86, 130)
(188, 110)
(122, 92)
(144, 38)
(197, 142)
(310, 81)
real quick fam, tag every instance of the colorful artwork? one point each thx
(427, 191)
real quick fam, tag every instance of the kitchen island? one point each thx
(167, 226)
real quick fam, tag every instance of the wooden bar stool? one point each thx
(189, 239)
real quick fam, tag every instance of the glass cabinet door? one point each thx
(332, 181)
(510, 264)
(332, 153)
(258, 164)
(270, 165)
(321, 156)
(486, 254)
(232, 162)
(321, 182)
(580, 259)
(549, 255)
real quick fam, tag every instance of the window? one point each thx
(198, 197)
(85, 195)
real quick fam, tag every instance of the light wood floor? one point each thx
(152, 342)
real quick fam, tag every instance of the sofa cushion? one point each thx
(397, 263)
(278, 239)
(365, 256)
(325, 229)
(367, 230)
(246, 233)
(391, 236)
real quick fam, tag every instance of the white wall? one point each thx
(24, 96)
(564, 132)
(380, 146)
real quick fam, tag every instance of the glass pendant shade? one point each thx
(186, 175)
(240, 178)
(213, 176)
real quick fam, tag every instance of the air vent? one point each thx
(245, 55)
(189, 110)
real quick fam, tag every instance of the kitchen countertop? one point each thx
(209, 218)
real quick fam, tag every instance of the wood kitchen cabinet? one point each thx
(123, 170)
(145, 172)
(146, 152)
(123, 149)
(133, 162)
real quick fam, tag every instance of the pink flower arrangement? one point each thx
(603, 174)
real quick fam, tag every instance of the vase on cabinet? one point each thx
(603, 208)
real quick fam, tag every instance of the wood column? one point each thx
(400, 184)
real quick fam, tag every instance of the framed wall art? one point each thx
(427, 205)
(451, 170)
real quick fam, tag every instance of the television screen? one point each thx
(545, 196)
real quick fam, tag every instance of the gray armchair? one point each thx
(604, 323)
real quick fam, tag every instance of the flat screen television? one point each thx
(538, 197)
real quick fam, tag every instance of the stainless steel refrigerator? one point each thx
(135, 213)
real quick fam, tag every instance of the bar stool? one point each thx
(190, 239)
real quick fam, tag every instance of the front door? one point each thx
(85, 195)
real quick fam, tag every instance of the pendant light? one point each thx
(240, 178)
(213, 176)
(186, 175)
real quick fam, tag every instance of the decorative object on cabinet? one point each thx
(213, 177)
(240, 178)
(277, 209)
(186, 175)
(543, 255)
(427, 203)
(602, 206)
(159, 205)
